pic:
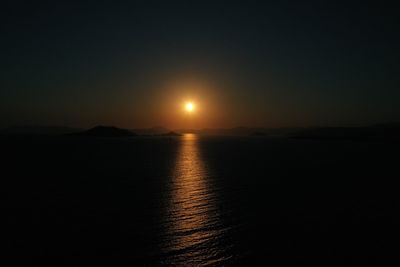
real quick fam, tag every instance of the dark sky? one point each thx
(261, 63)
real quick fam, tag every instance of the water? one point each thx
(193, 226)
(199, 201)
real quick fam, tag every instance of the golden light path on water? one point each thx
(193, 228)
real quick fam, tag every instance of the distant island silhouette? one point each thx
(171, 134)
(105, 131)
(384, 131)
(259, 134)
(156, 130)
(388, 131)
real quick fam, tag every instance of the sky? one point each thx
(244, 63)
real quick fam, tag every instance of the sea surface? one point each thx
(199, 201)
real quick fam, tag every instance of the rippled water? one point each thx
(199, 201)
(193, 227)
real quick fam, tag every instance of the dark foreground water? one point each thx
(194, 201)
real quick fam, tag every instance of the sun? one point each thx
(189, 107)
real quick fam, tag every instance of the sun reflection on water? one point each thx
(193, 227)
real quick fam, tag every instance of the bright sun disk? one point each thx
(189, 107)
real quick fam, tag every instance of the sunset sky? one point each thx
(243, 63)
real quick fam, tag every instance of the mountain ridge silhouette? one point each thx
(105, 131)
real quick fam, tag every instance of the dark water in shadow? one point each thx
(199, 201)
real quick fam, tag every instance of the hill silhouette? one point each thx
(106, 131)
(171, 134)
(157, 130)
(376, 132)
(259, 134)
